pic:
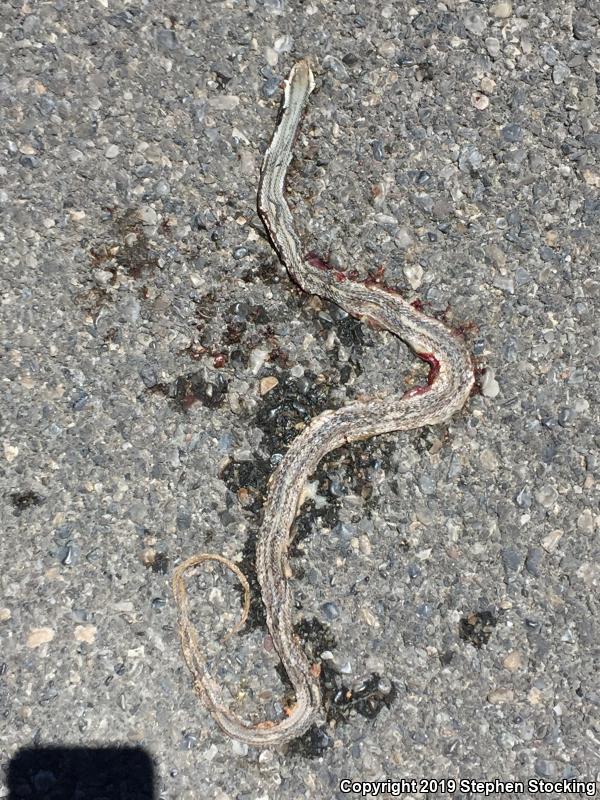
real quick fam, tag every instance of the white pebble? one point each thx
(283, 44)
(10, 452)
(551, 540)
(271, 56)
(414, 275)
(257, 359)
(39, 636)
(112, 151)
(501, 10)
(489, 385)
(480, 101)
(493, 46)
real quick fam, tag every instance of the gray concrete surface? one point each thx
(454, 144)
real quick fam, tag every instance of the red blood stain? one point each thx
(417, 305)
(434, 366)
(315, 261)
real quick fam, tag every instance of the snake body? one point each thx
(450, 382)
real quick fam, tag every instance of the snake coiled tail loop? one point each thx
(448, 387)
(181, 597)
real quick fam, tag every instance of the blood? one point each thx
(434, 371)
(434, 366)
(315, 261)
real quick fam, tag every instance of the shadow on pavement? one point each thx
(81, 773)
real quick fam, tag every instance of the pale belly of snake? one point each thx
(450, 382)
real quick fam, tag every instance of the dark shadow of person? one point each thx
(81, 773)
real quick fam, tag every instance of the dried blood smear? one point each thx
(315, 261)
(434, 366)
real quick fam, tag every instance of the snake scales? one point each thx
(450, 382)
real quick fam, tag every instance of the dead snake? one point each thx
(450, 382)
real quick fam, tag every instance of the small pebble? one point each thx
(585, 522)
(560, 73)
(492, 45)
(330, 611)
(512, 132)
(500, 696)
(283, 44)
(505, 282)
(546, 496)
(427, 485)
(470, 158)
(85, 633)
(488, 460)
(534, 696)
(257, 359)
(271, 56)
(550, 54)
(489, 385)
(239, 748)
(551, 540)
(39, 636)
(147, 215)
(480, 101)
(403, 239)
(511, 559)
(475, 23)
(501, 10)
(414, 275)
(336, 67)
(267, 384)
(271, 86)
(266, 760)
(369, 617)
(378, 152)
(189, 742)
(387, 49)
(166, 39)
(513, 661)
(364, 544)
(112, 151)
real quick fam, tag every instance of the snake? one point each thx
(449, 383)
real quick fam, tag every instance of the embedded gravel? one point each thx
(156, 361)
